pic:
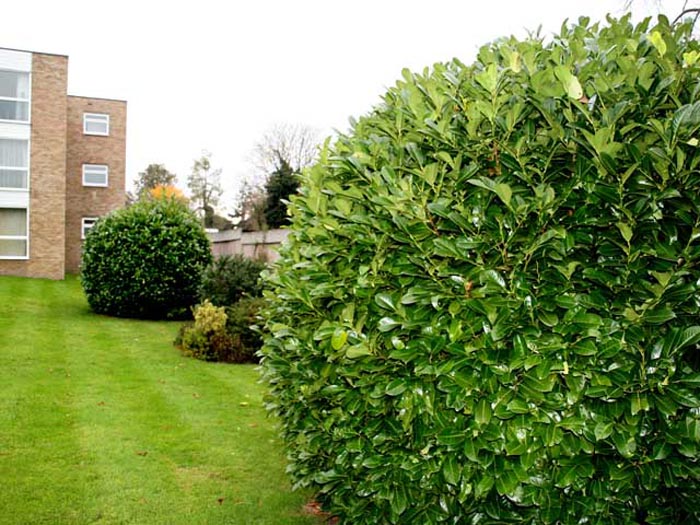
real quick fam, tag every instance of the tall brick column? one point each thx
(86, 201)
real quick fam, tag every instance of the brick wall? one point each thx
(84, 201)
(47, 171)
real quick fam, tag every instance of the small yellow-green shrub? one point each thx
(221, 333)
(206, 337)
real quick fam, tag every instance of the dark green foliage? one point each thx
(231, 277)
(145, 261)
(280, 186)
(487, 310)
(223, 334)
(216, 221)
(243, 317)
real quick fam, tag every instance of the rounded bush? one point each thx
(487, 308)
(145, 261)
(230, 278)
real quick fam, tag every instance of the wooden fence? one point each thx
(261, 244)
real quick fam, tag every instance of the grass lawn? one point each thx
(102, 421)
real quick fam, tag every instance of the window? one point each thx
(88, 223)
(14, 96)
(13, 233)
(95, 124)
(14, 163)
(95, 175)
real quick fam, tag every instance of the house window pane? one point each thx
(95, 175)
(95, 124)
(13, 110)
(13, 232)
(13, 163)
(14, 84)
(13, 178)
(13, 248)
(88, 223)
(13, 222)
(13, 153)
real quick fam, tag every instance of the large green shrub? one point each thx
(145, 261)
(229, 278)
(487, 309)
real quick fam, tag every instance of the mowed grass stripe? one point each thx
(126, 442)
(143, 435)
(37, 426)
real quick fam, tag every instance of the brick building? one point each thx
(62, 165)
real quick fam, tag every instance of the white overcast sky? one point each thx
(216, 75)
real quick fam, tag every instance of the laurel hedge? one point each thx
(145, 261)
(487, 310)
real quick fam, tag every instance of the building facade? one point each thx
(62, 165)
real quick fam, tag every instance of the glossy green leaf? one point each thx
(452, 437)
(571, 84)
(482, 414)
(658, 42)
(659, 315)
(504, 191)
(399, 499)
(625, 230)
(387, 324)
(385, 301)
(451, 470)
(395, 387)
(339, 338)
(603, 430)
(626, 445)
(506, 483)
(358, 350)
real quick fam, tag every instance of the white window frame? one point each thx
(17, 238)
(28, 101)
(92, 166)
(15, 168)
(86, 226)
(96, 118)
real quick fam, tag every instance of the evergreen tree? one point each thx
(282, 183)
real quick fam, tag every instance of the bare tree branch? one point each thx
(695, 10)
(204, 184)
(294, 143)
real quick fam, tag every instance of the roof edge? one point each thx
(100, 98)
(32, 51)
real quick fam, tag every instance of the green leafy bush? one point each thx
(226, 334)
(145, 261)
(231, 277)
(206, 337)
(487, 308)
(241, 326)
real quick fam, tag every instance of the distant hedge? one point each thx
(145, 261)
(487, 310)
